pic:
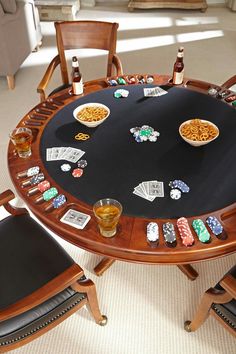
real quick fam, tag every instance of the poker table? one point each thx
(117, 163)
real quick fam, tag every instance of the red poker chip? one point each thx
(77, 172)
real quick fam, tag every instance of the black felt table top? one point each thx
(117, 163)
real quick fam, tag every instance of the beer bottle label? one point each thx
(77, 87)
(178, 78)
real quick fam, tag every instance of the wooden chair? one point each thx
(82, 34)
(220, 302)
(41, 285)
(230, 82)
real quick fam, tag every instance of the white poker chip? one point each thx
(175, 194)
(152, 231)
(65, 167)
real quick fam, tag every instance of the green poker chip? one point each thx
(201, 230)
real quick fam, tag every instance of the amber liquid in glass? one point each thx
(107, 216)
(22, 143)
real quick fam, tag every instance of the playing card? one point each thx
(72, 154)
(75, 218)
(140, 190)
(55, 153)
(62, 150)
(140, 194)
(154, 91)
(155, 188)
(48, 154)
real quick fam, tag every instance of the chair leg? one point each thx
(102, 266)
(11, 81)
(201, 315)
(188, 270)
(88, 287)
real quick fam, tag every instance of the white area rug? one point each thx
(146, 305)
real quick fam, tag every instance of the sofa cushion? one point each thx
(9, 6)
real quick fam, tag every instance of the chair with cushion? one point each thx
(220, 302)
(41, 285)
(20, 34)
(81, 34)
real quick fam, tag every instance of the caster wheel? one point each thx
(104, 320)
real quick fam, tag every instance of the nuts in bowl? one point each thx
(91, 114)
(198, 132)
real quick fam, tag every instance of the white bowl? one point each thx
(91, 123)
(198, 143)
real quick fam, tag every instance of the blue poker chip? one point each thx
(66, 167)
(112, 82)
(36, 179)
(182, 186)
(59, 201)
(214, 225)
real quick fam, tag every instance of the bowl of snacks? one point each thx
(91, 114)
(198, 132)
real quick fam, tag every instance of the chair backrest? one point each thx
(85, 34)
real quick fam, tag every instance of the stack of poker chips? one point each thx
(121, 93)
(56, 203)
(41, 187)
(34, 180)
(47, 195)
(177, 188)
(144, 133)
(169, 233)
(214, 225)
(152, 232)
(32, 171)
(201, 230)
(185, 232)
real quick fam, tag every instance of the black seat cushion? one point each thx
(227, 311)
(30, 258)
(39, 317)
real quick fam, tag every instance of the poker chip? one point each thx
(201, 230)
(150, 79)
(175, 194)
(185, 232)
(32, 171)
(49, 194)
(121, 81)
(212, 91)
(82, 163)
(169, 232)
(121, 93)
(117, 94)
(141, 80)
(214, 225)
(65, 167)
(112, 82)
(144, 133)
(179, 184)
(58, 201)
(36, 179)
(131, 80)
(43, 186)
(77, 172)
(152, 232)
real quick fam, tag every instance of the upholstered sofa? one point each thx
(20, 34)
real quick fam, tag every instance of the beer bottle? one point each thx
(178, 70)
(76, 77)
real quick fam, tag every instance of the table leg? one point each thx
(103, 265)
(188, 270)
